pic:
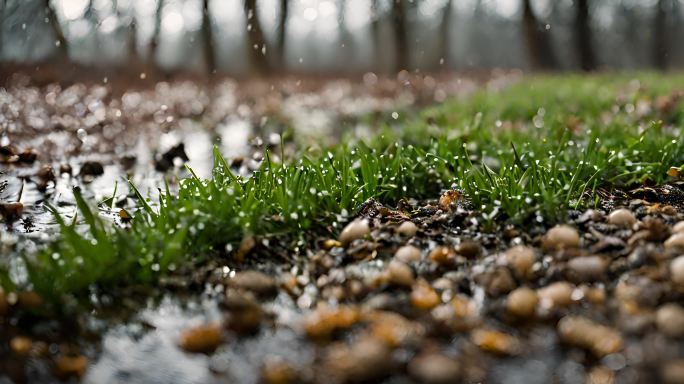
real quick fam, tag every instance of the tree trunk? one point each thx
(61, 43)
(375, 32)
(3, 5)
(660, 43)
(445, 42)
(282, 34)
(208, 40)
(154, 41)
(255, 39)
(538, 40)
(401, 59)
(133, 40)
(585, 50)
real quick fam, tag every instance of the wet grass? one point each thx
(525, 153)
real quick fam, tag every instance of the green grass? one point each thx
(528, 152)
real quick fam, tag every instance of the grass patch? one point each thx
(528, 152)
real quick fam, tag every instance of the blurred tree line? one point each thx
(397, 34)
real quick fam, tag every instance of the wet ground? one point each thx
(428, 291)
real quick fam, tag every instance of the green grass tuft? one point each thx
(530, 151)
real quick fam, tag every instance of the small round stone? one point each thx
(675, 241)
(622, 217)
(585, 333)
(70, 366)
(407, 254)
(202, 338)
(442, 255)
(21, 345)
(677, 270)
(678, 228)
(469, 249)
(434, 368)
(521, 259)
(672, 372)
(255, 281)
(407, 228)
(561, 237)
(400, 273)
(670, 320)
(423, 296)
(587, 268)
(558, 294)
(355, 230)
(522, 302)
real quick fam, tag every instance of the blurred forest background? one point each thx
(241, 37)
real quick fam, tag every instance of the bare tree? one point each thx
(208, 39)
(3, 5)
(444, 34)
(133, 39)
(583, 43)
(660, 35)
(345, 37)
(375, 32)
(538, 40)
(61, 42)
(400, 35)
(154, 41)
(282, 33)
(255, 39)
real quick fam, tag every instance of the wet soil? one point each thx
(427, 291)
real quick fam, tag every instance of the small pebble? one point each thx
(678, 228)
(400, 273)
(677, 270)
(357, 229)
(92, 168)
(407, 254)
(423, 296)
(673, 372)
(497, 281)
(68, 366)
(558, 294)
(11, 211)
(325, 320)
(442, 255)
(587, 268)
(670, 320)
(469, 249)
(561, 237)
(600, 375)
(496, 342)
(434, 368)
(521, 259)
(393, 329)
(278, 371)
(407, 228)
(622, 218)
(675, 241)
(522, 302)
(255, 281)
(448, 198)
(585, 333)
(202, 338)
(331, 243)
(21, 345)
(28, 156)
(363, 361)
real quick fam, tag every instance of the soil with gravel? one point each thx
(425, 291)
